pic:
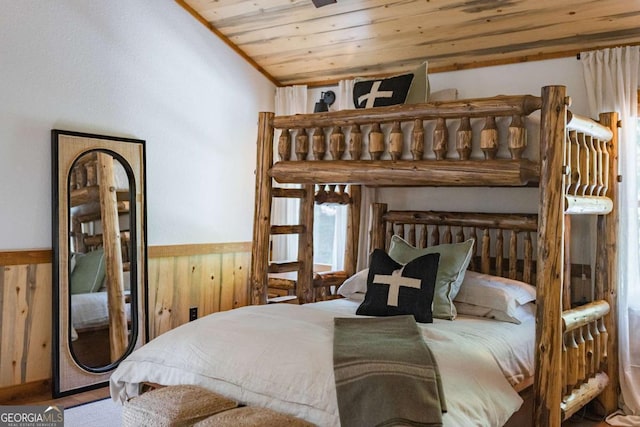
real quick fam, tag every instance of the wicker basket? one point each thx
(252, 416)
(181, 405)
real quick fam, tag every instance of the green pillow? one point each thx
(89, 272)
(454, 260)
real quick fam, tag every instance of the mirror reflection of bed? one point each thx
(90, 340)
(100, 259)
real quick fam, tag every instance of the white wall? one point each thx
(143, 69)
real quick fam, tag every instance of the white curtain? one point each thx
(339, 241)
(289, 100)
(369, 196)
(611, 77)
(345, 95)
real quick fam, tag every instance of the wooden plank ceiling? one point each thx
(292, 42)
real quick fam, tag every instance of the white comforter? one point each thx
(281, 356)
(91, 310)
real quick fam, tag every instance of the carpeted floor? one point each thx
(107, 413)
(102, 413)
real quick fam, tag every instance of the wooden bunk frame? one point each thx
(576, 347)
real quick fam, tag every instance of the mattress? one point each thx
(280, 356)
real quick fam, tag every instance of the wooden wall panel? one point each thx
(38, 336)
(211, 282)
(226, 292)
(212, 277)
(25, 334)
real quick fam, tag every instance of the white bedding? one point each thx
(511, 345)
(281, 356)
(90, 310)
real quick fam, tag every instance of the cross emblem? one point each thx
(373, 94)
(395, 280)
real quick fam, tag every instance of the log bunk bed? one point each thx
(576, 358)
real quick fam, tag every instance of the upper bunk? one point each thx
(486, 142)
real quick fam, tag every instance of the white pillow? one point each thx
(493, 292)
(517, 316)
(450, 94)
(354, 285)
(357, 297)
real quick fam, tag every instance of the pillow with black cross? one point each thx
(394, 289)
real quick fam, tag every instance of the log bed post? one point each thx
(262, 215)
(606, 270)
(550, 259)
(353, 230)
(118, 330)
(378, 229)
(304, 285)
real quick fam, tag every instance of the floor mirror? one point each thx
(99, 266)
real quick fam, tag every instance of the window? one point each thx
(329, 232)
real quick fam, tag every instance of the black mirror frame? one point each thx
(69, 376)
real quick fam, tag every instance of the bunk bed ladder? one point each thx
(264, 230)
(300, 282)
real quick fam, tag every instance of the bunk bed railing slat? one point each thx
(517, 137)
(489, 138)
(417, 140)
(606, 270)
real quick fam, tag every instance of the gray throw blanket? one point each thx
(385, 374)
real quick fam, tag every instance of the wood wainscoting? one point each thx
(25, 327)
(212, 277)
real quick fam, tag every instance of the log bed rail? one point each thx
(584, 352)
(408, 145)
(503, 242)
